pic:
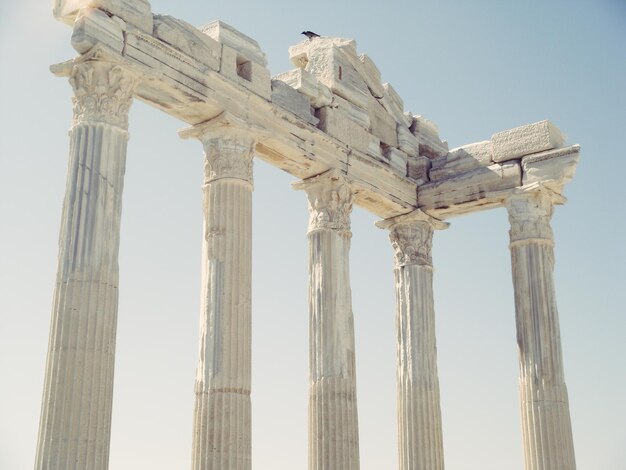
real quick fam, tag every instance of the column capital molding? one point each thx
(530, 210)
(411, 237)
(546, 424)
(103, 90)
(330, 200)
(229, 145)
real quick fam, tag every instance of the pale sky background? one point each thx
(474, 68)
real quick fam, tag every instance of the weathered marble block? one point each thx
(428, 134)
(136, 12)
(383, 124)
(407, 142)
(299, 79)
(353, 112)
(291, 100)
(244, 45)
(336, 123)
(418, 168)
(524, 140)
(470, 186)
(171, 63)
(93, 26)
(242, 59)
(553, 168)
(249, 74)
(373, 147)
(394, 104)
(397, 160)
(461, 160)
(188, 39)
(328, 60)
(372, 75)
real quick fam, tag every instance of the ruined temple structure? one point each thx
(345, 135)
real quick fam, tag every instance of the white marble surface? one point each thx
(222, 417)
(546, 423)
(420, 434)
(333, 419)
(75, 424)
(348, 129)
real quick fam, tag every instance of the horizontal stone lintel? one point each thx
(488, 187)
(470, 191)
(172, 80)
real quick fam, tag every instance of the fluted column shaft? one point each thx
(222, 422)
(420, 440)
(333, 421)
(546, 425)
(75, 424)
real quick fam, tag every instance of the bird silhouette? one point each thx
(310, 34)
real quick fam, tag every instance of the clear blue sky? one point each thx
(474, 68)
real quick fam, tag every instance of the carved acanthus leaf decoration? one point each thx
(229, 145)
(330, 201)
(411, 237)
(103, 93)
(412, 243)
(529, 214)
(228, 156)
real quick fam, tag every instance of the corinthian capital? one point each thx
(103, 93)
(330, 201)
(530, 211)
(229, 145)
(411, 237)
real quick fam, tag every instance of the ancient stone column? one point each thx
(420, 441)
(75, 424)
(333, 423)
(546, 426)
(222, 423)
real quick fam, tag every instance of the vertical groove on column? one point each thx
(222, 410)
(544, 402)
(419, 410)
(546, 423)
(334, 391)
(76, 412)
(420, 440)
(333, 418)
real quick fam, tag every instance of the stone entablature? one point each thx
(332, 123)
(332, 112)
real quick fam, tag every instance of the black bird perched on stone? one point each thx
(310, 34)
